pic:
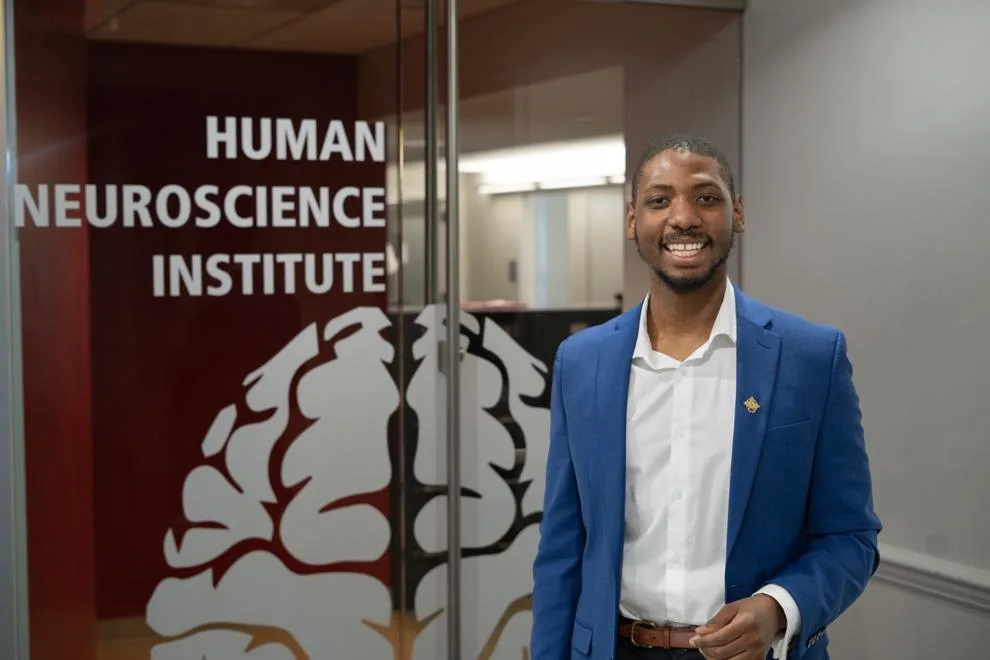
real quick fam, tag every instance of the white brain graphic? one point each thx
(339, 451)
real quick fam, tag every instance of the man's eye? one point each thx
(708, 199)
(656, 201)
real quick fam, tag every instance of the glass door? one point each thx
(425, 228)
(546, 106)
(218, 373)
(283, 281)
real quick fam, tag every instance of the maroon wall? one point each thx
(163, 367)
(51, 147)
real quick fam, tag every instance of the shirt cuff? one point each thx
(791, 613)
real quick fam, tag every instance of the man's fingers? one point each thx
(745, 655)
(706, 629)
(724, 635)
(721, 618)
(740, 647)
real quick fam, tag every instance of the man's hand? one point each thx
(743, 630)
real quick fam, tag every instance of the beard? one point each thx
(686, 283)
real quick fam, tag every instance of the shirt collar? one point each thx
(724, 326)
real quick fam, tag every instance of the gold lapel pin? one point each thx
(752, 405)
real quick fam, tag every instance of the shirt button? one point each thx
(676, 496)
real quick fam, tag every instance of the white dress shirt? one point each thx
(680, 418)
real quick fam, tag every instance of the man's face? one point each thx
(683, 219)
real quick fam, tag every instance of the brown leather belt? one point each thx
(646, 634)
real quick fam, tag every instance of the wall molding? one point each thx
(946, 580)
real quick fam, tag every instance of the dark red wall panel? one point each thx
(163, 367)
(55, 311)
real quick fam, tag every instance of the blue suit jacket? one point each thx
(800, 496)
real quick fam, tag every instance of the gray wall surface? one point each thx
(692, 88)
(866, 157)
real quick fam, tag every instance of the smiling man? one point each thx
(708, 490)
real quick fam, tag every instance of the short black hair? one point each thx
(692, 144)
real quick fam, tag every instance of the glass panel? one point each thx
(557, 99)
(221, 410)
(242, 494)
(417, 219)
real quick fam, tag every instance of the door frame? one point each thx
(14, 628)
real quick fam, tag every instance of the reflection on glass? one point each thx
(513, 192)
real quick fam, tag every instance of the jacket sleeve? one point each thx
(557, 568)
(842, 554)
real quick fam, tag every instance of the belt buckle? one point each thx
(644, 624)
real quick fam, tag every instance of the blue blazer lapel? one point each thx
(611, 394)
(757, 353)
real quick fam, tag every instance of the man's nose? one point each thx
(683, 215)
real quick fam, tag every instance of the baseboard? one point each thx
(949, 581)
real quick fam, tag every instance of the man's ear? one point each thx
(630, 221)
(738, 216)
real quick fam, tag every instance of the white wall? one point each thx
(585, 254)
(865, 161)
(695, 91)
(495, 233)
(898, 623)
(599, 216)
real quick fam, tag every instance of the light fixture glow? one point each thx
(504, 188)
(572, 164)
(583, 182)
(577, 159)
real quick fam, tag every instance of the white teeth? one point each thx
(685, 247)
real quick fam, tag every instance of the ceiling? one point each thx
(324, 26)
(552, 111)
